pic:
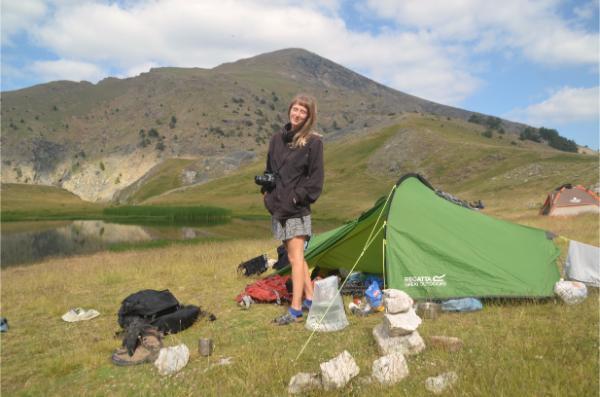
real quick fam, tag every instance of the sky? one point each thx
(535, 62)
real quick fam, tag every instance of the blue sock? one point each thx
(295, 313)
(307, 303)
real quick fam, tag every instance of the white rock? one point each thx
(396, 301)
(402, 323)
(338, 371)
(390, 369)
(303, 382)
(408, 344)
(441, 382)
(172, 359)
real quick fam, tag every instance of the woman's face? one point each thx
(298, 115)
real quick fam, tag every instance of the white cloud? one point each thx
(567, 105)
(205, 34)
(18, 15)
(586, 11)
(534, 28)
(64, 69)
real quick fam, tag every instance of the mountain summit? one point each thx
(98, 141)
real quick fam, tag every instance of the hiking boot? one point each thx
(286, 319)
(146, 351)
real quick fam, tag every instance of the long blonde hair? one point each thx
(306, 129)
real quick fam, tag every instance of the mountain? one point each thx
(105, 141)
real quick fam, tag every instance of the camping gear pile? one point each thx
(145, 317)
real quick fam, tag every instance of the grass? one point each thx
(511, 347)
(21, 202)
(158, 214)
(164, 177)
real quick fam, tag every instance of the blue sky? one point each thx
(531, 61)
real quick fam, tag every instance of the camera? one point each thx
(267, 180)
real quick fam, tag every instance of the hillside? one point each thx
(98, 140)
(452, 154)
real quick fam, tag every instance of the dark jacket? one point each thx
(299, 175)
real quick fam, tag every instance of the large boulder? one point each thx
(338, 371)
(408, 344)
(390, 369)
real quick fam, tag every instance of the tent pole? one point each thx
(383, 244)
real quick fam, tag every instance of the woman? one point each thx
(295, 158)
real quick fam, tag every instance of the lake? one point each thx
(28, 242)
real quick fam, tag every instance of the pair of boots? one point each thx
(141, 344)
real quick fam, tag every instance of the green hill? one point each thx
(452, 154)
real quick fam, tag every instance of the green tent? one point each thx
(432, 248)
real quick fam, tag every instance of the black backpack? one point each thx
(158, 308)
(253, 266)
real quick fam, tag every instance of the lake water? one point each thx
(27, 242)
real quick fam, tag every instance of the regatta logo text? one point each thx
(425, 281)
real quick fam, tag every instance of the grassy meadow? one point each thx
(510, 347)
(25, 202)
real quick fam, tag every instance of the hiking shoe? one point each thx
(306, 304)
(286, 319)
(147, 350)
(79, 314)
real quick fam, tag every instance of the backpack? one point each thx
(256, 265)
(157, 308)
(269, 289)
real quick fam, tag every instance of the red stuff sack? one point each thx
(269, 289)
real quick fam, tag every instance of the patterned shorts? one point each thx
(293, 227)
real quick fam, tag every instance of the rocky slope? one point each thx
(98, 140)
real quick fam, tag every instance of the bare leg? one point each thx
(295, 250)
(308, 287)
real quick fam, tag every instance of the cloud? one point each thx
(533, 28)
(18, 15)
(567, 105)
(206, 34)
(64, 69)
(586, 11)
